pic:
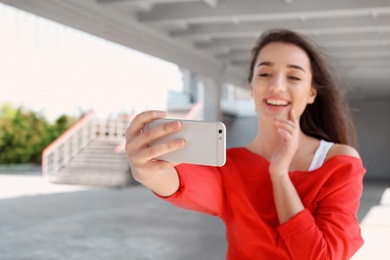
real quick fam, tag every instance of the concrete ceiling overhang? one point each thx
(214, 37)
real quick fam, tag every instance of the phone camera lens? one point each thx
(220, 131)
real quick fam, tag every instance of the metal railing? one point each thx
(196, 113)
(62, 150)
(112, 128)
(65, 147)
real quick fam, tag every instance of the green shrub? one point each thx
(25, 133)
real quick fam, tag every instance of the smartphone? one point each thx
(205, 142)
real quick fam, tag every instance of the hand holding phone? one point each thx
(205, 142)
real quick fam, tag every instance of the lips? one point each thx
(277, 102)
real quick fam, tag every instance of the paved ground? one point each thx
(74, 222)
(128, 223)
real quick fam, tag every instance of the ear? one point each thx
(251, 89)
(312, 95)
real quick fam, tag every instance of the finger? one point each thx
(287, 124)
(157, 132)
(279, 121)
(142, 140)
(155, 151)
(140, 120)
(285, 134)
(286, 129)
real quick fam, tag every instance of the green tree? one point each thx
(25, 133)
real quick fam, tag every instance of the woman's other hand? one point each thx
(282, 158)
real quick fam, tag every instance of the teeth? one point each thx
(277, 102)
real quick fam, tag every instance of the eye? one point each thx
(264, 75)
(294, 78)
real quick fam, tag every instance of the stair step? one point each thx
(108, 142)
(93, 159)
(100, 172)
(102, 146)
(101, 156)
(97, 166)
(94, 178)
(97, 172)
(98, 151)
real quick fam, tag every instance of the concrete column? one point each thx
(210, 94)
(190, 83)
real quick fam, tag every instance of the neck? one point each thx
(267, 140)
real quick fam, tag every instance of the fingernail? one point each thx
(174, 124)
(179, 142)
(161, 113)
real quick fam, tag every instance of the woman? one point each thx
(294, 191)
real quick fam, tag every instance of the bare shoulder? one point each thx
(342, 149)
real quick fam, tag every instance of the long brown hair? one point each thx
(328, 117)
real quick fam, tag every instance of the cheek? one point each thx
(257, 97)
(255, 89)
(301, 106)
(299, 109)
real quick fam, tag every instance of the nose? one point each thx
(278, 84)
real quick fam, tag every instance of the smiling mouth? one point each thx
(277, 102)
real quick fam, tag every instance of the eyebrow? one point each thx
(268, 63)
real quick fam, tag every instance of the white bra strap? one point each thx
(320, 155)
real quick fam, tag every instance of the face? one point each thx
(282, 80)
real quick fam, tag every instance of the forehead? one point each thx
(283, 54)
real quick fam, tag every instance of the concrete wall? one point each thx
(372, 120)
(240, 131)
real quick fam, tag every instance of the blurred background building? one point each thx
(207, 43)
(105, 60)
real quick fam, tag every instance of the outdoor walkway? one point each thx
(375, 228)
(99, 224)
(42, 221)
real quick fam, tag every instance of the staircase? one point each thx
(97, 164)
(88, 154)
(92, 152)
